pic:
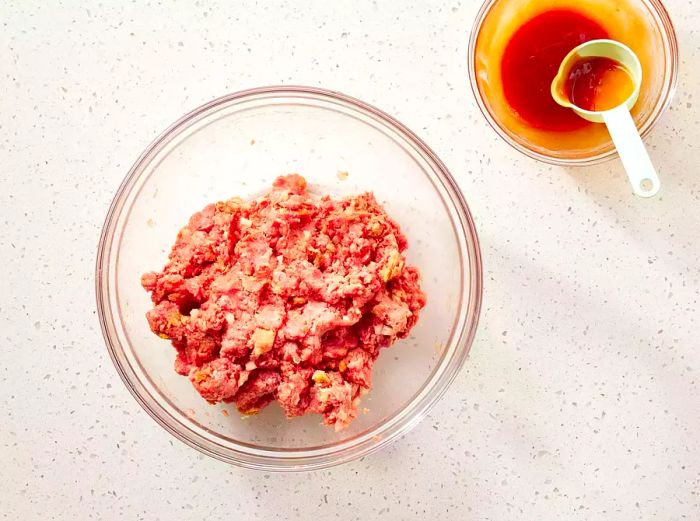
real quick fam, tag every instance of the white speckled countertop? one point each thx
(581, 398)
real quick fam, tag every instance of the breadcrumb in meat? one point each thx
(285, 298)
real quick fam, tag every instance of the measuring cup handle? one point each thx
(634, 156)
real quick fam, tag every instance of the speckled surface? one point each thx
(581, 397)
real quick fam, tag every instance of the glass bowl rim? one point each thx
(394, 426)
(668, 32)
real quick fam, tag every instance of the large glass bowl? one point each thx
(236, 145)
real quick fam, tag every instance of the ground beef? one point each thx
(287, 297)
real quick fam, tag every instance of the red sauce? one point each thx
(531, 60)
(598, 84)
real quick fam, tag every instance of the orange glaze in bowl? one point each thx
(511, 102)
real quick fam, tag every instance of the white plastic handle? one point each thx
(634, 156)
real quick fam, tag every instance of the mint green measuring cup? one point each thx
(623, 131)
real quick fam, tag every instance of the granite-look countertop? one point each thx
(581, 397)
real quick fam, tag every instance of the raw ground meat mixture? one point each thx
(287, 297)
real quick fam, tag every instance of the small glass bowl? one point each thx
(237, 145)
(498, 16)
